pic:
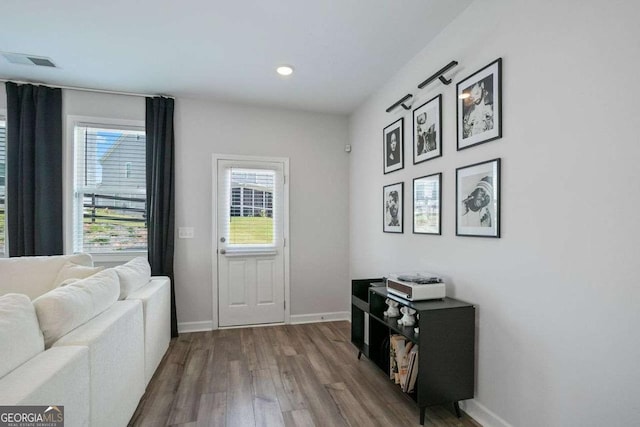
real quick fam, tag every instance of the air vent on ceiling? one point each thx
(22, 59)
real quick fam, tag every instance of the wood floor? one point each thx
(290, 375)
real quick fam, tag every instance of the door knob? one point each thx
(222, 251)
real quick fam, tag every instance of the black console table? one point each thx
(446, 342)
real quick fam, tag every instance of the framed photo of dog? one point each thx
(478, 199)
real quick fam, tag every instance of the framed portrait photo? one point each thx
(392, 203)
(479, 106)
(478, 199)
(427, 134)
(393, 146)
(427, 204)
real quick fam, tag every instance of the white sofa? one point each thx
(104, 337)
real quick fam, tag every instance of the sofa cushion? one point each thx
(116, 360)
(59, 375)
(133, 275)
(34, 276)
(20, 335)
(71, 270)
(156, 309)
(64, 309)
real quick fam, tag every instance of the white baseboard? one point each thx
(207, 325)
(296, 319)
(186, 327)
(482, 414)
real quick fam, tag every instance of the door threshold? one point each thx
(259, 325)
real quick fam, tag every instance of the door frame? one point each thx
(214, 231)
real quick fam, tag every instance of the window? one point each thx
(251, 207)
(3, 179)
(109, 189)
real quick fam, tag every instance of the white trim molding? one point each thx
(297, 319)
(186, 327)
(482, 414)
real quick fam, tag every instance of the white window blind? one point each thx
(3, 180)
(110, 189)
(251, 208)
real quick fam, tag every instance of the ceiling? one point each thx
(342, 50)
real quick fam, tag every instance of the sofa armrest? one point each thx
(59, 376)
(116, 361)
(156, 307)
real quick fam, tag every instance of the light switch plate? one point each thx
(185, 232)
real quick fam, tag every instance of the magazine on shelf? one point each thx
(404, 364)
(413, 370)
(393, 365)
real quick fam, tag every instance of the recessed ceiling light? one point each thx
(285, 70)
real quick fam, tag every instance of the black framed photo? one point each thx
(427, 134)
(393, 202)
(393, 143)
(478, 199)
(427, 204)
(479, 106)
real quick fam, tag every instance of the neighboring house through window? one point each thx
(251, 195)
(109, 189)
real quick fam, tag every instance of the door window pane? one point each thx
(251, 223)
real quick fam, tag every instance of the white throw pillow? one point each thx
(65, 308)
(71, 270)
(34, 275)
(20, 336)
(133, 275)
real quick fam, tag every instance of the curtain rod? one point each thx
(85, 89)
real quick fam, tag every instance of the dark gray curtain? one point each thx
(161, 192)
(34, 170)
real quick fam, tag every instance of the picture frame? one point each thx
(427, 204)
(393, 208)
(393, 146)
(478, 199)
(427, 130)
(479, 106)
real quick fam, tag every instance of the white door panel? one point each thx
(266, 294)
(250, 213)
(238, 294)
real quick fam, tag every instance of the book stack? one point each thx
(403, 362)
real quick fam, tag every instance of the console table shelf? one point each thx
(446, 342)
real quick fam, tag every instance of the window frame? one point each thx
(69, 169)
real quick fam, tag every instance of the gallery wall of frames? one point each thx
(477, 188)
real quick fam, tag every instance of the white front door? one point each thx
(250, 242)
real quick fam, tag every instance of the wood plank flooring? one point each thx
(289, 375)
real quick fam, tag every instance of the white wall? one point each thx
(318, 199)
(557, 296)
(318, 192)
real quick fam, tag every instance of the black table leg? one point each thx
(359, 354)
(422, 412)
(456, 406)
